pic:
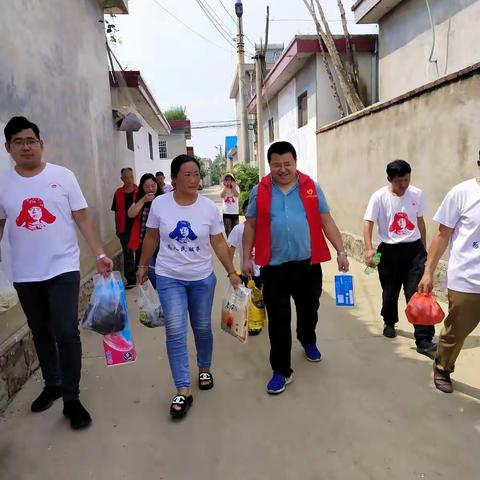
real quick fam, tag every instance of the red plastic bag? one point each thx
(423, 309)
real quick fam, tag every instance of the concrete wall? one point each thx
(405, 42)
(435, 131)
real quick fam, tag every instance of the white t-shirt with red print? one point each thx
(396, 216)
(41, 232)
(185, 252)
(230, 202)
(460, 210)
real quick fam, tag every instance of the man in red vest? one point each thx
(287, 221)
(123, 198)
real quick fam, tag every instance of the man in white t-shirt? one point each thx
(43, 203)
(459, 226)
(230, 194)
(164, 187)
(398, 210)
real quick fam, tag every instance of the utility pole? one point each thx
(244, 151)
(259, 58)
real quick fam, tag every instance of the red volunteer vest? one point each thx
(309, 197)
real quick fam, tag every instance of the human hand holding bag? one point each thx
(423, 309)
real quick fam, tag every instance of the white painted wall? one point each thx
(176, 145)
(405, 41)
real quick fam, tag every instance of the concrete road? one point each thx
(369, 410)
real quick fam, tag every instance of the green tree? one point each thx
(247, 178)
(175, 113)
(216, 169)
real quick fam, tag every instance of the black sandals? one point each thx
(205, 381)
(180, 405)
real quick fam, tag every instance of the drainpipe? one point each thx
(375, 73)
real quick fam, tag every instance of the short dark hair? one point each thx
(16, 125)
(178, 161)
(398, 168)
(281, 148)
(126, 169)
(245, 204)
(159, 173)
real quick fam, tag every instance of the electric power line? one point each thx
(187, 26)
(217, 26)
(229, 14)
(218, 19)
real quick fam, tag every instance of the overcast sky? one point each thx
(181, 68)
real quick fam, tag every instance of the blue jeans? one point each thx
(179, 299)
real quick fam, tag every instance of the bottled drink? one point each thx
(375, 260)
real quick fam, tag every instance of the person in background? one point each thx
(164, 187)
(398, 209)
(229, 193)
(459, 226)
(124, 197)
(148, 190)
(235, 241)
(187, 226)
(288, 219)
(43, 204)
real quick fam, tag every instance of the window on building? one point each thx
(302, 110)
(271, 130)
(150, 145)
(130, 144)
(162, 148)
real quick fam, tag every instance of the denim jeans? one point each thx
(179, 300)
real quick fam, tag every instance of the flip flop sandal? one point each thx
(205, 381)
(183, 402)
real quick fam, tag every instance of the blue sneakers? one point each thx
(312, 353)
(278, 382)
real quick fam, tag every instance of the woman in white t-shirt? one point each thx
(230, 194)
(187, 226)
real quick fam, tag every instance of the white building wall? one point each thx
(405, 42)
(176, 145)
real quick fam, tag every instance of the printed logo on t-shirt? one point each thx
(476, 245)
(183, 232)
(34, 215)
(230, 200)
(401, 224)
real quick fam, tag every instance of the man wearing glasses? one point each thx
(42, 203)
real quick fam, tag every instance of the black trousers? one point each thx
(402, 264)
(51, 308)
(128, 258)
(303, 282)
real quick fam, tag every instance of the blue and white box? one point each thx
(344, 296)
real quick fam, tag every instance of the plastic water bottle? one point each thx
(375, 260)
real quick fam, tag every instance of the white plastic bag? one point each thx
(235, 312)
(105, 313)
(150, 311)
(8, 294)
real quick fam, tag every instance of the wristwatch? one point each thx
(342, 254)
(99, 257)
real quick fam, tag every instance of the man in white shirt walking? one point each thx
(43, 203)
(459, 226)
(398, 210)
